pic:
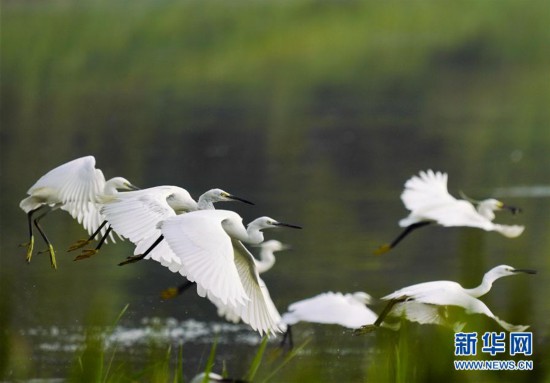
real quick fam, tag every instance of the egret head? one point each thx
(119, 183)
(505, 270)
(269, 223)
(488, 206)
(207, 199)
(181, 201)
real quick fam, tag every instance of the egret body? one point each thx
(73, 187)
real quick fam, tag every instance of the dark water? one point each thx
(312, 140)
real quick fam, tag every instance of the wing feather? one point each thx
(206, 254)
(260, 311)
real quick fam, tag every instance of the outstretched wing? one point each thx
(206, 254)
(76, 185)
(426, 190)
(475, 306)
(259, 311)
(135, 215)
(330, 308)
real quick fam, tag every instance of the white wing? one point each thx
(475, 306)
(426, 190)
(74, 186)
(259, 311)
(330, 308)
(425, 314)
(206, 254)
(76, 181)
(135, 216)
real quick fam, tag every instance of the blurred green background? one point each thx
(318, 111)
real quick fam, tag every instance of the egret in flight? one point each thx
(427, 198)
(209, 246)
(265, 263)
(214, 378)
(347, 310)
(135, 215)
(446, 293)
(73, 187)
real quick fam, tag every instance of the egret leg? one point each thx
(139, 257)
(371, 327)
(87, 253)
(287, 335)
(173, 292)
(30, 245)
(388, 246)
(45, 238)
(83, 242)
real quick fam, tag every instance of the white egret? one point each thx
(214, 378)
(73, 187)
(446, 293)
(347, 310)
(135, 215)
(265, 263)
(209, 245)
(429, 201)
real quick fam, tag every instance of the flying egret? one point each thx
(265, 263)
(429, 201)
(209, 245)
(347, 310)
(135, 215)
(446, 293)
(214, 378)
(73, 187)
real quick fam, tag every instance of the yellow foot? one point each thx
(86, 253)
(382, 249)
(79, 244)
(52, 255)
(30, 246)
(365, 329)
(133, 259)
(169, 293)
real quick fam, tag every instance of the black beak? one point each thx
(526, 271)
(514, 210)
(133, 187)
(287, 225)
(233, 197)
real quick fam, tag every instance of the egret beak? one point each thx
(287, 225)
(230, 196)
(132, 187)
(526, 271)
(514, 210)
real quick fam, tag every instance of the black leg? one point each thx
(139, 257)
(87, 253)
(30, 245)
(45, 238)
(409, 229)
(83, 242)
(287, 335)
(104, 238)
(173, 292)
